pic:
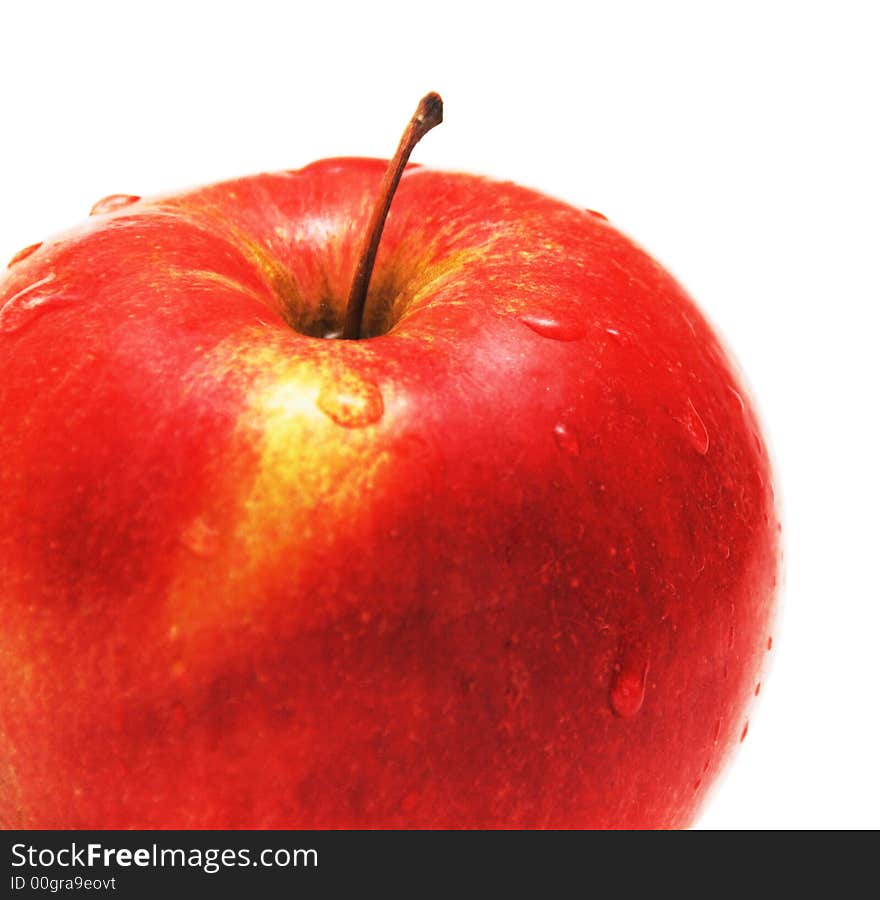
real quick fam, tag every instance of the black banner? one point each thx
(263, 864)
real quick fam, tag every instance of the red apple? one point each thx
(509, 560)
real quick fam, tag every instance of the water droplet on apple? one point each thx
(759, 445)
(628, 680)
(29, 303)
(769, 644)
(695, 428)
(598, 215)
(738, 396)
(757, 688)
(689, 322)
(745, 731)
(551, 327)
(351, 401)
(112, 203)
(566, 439)
(627, 694)
(24, 254)
(201, 538)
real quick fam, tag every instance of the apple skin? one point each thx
(512, 563)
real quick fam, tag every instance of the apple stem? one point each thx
(428, 114)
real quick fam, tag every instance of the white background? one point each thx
(736, 142)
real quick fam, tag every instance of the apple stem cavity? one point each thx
(428, 114)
